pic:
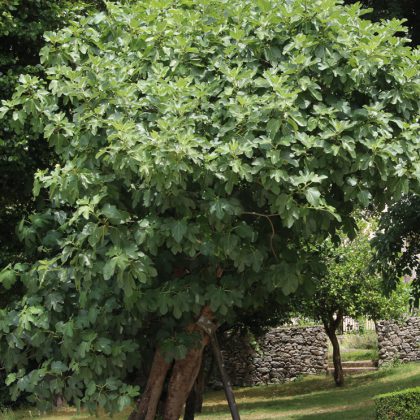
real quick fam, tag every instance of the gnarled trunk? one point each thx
(182, 378)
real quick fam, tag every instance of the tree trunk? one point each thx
(147, 404)
(183, 376)
(330, 328)
(199, 387)
(338, 369)
(194, 402)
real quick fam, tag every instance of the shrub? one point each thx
(399, 405)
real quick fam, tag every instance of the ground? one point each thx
(312, 397)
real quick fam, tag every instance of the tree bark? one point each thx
(194, 402)
(338, 369)
(183, 376)
(330, 328)
(199, 386)
(147, 405)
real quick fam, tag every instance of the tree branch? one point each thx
(273, 231)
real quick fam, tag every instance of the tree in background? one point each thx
(397, 245)
(201, 156)
(349, 288)
(398, 238)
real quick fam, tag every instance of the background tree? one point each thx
(349, 288)
(200, 156)
(397, 245)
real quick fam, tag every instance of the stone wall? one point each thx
(280, 355)
(398, 340)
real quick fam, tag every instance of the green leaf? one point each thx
(177, 312)
(123, 402)
(7, 278)
(313, 195)
(273, 127)
(109, 268)
(58, 367)
(179, 229)
(364, 197)
(290, 284)
(36, 188)
(91, 388)
(113, 214)
(11, 377)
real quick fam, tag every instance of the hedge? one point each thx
(401, 405)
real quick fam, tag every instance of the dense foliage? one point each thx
(398, 405)
(22, 25)
(200, 155)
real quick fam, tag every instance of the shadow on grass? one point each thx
(317, 397)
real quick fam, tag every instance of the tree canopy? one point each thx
(200, 153)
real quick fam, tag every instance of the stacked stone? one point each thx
(398, 340)
(280, 355)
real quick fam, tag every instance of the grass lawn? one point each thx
(353, 355)
(312, 397)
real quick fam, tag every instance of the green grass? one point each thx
(312, 397)
(359, 354)
(316, 397)
(356, 355)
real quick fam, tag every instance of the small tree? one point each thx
(202, 147)
(348, 287)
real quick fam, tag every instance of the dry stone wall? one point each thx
(282, 354)
(398, 340)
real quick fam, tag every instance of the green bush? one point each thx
(399, 405)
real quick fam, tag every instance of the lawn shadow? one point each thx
(318, 397)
